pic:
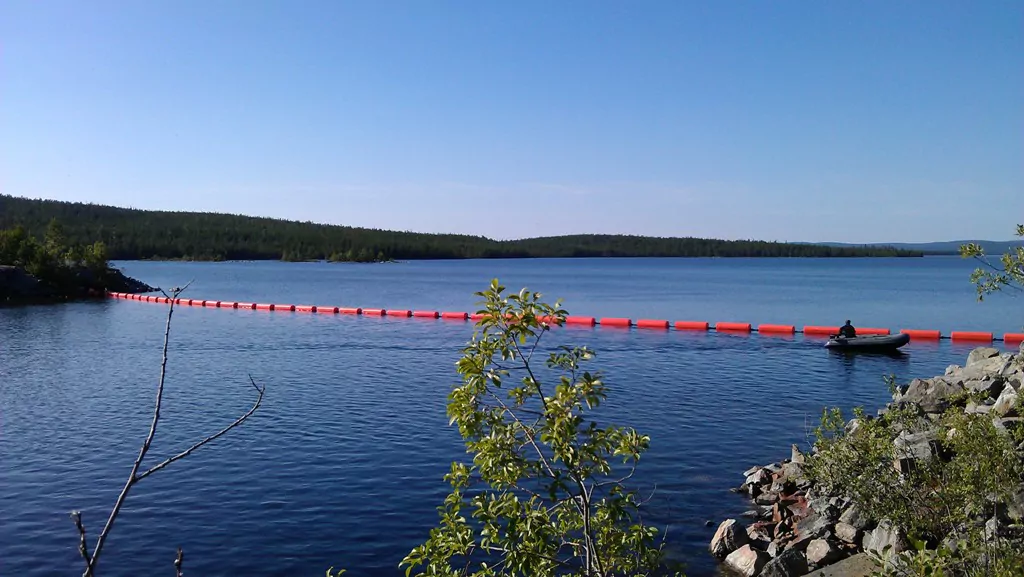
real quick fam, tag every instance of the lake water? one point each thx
(343, 464)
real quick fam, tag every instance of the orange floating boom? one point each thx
(570, 320)
(922, 334)
(550, 320)
(973, 336)
(776, 329)
(615, 322)
(652, 324)
(817, 330)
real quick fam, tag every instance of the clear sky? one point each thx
(799, 120)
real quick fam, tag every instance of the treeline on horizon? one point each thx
(131, 234)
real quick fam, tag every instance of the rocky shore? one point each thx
(18, 287)
(795, 527)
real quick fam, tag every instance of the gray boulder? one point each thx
(855, 518)
(759, 535)
(990, 367)
(996, 527)
(789, 563)
(747, 561)
(758, 477)
(793, 471)
(801, 542)
(1006, 403)
(1008, 425)
(814, 525)
(848, 533)
(858, 565)
(912, 447)
(796, 456)
(976, 409)
(821, 552)
(729, 537)
(826, 507)
(852, 426)
(989, 386)
(885, 535)
(952, 370)
(980, 354)
(1015, 506)
(1016, 382)
(931, 394)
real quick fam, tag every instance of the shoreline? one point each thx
(519, 258)
(20, 288)
(799, 528)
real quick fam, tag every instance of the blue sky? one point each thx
(814, 121)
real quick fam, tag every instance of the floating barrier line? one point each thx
(616, 322)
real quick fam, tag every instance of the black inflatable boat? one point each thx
(870, 342)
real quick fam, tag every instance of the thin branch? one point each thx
(177, 562)
(529, 435)
(176, 291)
(132, 477)
(643, 502)
(83, 548)
(505, 550)
(187, 452)
(536, 343)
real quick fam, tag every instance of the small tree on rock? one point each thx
(542, 495)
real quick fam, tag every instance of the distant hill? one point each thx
(131, 234)
(943, 247)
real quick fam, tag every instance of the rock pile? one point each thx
(795, 529)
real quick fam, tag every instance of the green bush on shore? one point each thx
(62, 268)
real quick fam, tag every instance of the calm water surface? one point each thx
(343, 464)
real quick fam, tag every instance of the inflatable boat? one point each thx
(870, 342)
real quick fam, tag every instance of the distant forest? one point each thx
(131, 234)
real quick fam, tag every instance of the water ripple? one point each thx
(343, 465)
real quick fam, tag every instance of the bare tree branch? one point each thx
(134, 476)
(177, 562)
(176, 291)
(83, 548)
(187, 452)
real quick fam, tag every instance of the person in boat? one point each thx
(847, 331)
